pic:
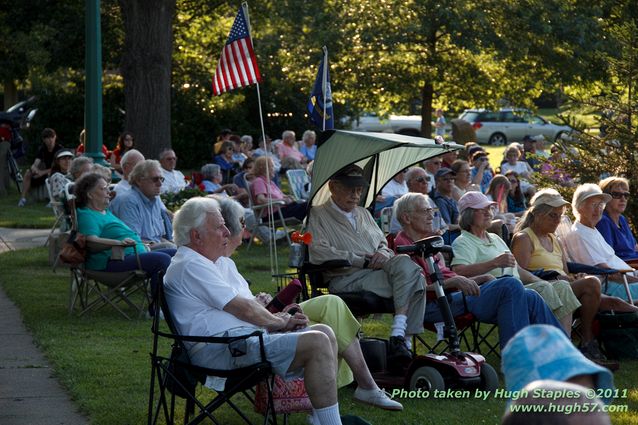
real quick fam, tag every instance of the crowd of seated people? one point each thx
(489, 277)
(457, 201)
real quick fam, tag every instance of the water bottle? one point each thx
(296, 248)
(296, 255)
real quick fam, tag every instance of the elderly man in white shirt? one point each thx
(207, 297)
(174, 180)
(129, 160)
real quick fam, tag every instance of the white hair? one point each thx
(133, 153)
(288, 133)
(142, 170)
(407, 203)
(192, 215)
(308, 134)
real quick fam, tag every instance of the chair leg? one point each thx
(626, 284)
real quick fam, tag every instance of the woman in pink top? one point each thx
(262, 184)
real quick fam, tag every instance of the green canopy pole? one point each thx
(93, 83)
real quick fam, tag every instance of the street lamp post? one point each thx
(93, 83)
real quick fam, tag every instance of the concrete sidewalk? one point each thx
(29, 393)
(12, 239)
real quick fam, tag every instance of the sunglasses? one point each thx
(422, 179)
(618, 195)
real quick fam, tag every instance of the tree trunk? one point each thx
(146, 69)
(427, 94)
(10, 93)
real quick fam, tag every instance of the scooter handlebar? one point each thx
(427, 247)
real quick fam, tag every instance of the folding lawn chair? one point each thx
(278, 219)
(62, 217)
(299, 182)
(93, 289)
(174, 376)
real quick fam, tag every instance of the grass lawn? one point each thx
(102, 359)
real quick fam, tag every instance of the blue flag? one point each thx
(320, 103)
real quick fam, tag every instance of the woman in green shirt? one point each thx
(99, 225)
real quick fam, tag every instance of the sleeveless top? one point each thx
(542, 258)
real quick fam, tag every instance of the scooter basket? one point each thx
(374, 352)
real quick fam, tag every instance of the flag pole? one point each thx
(272, 245)
(324, 83)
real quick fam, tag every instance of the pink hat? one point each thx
(474, 200)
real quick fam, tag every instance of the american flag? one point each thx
(237, 65)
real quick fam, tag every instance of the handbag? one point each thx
(74, 249)
(619, 334)
(288, 396)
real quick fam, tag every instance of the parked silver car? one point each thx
(510, 125)
(410, 125)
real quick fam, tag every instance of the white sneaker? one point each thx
(378, 398)
(22, 202)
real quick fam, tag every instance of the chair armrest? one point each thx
(259, 207)
(102, 245)
(212, 339)
(117, 248)
(327, 265)
(585, 268)
(219, 339)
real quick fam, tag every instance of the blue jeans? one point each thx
(502, 302)
(152, 263)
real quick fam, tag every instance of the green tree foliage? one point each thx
(589, 156)
(386, 56)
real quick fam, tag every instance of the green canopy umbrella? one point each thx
(380, 155)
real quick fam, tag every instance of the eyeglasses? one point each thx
(599, 205)
(554, 216)
(156, 179)
(487, 210)
(426, 211)
(618, 195)
(422, 179)
(357, 190)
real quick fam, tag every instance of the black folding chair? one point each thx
(175, 375)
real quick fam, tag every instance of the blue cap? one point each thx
(540, 352)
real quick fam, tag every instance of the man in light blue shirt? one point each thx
(141, 208)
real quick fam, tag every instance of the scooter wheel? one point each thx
(427, 378)
(489, 378)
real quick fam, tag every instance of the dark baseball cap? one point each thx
(479, 154)
(351, 176)
(443, 172)
(471, 151)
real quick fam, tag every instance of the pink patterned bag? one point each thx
(288, 396)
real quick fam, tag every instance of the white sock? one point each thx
(399, 325)
(408, 342)
(327, 415)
